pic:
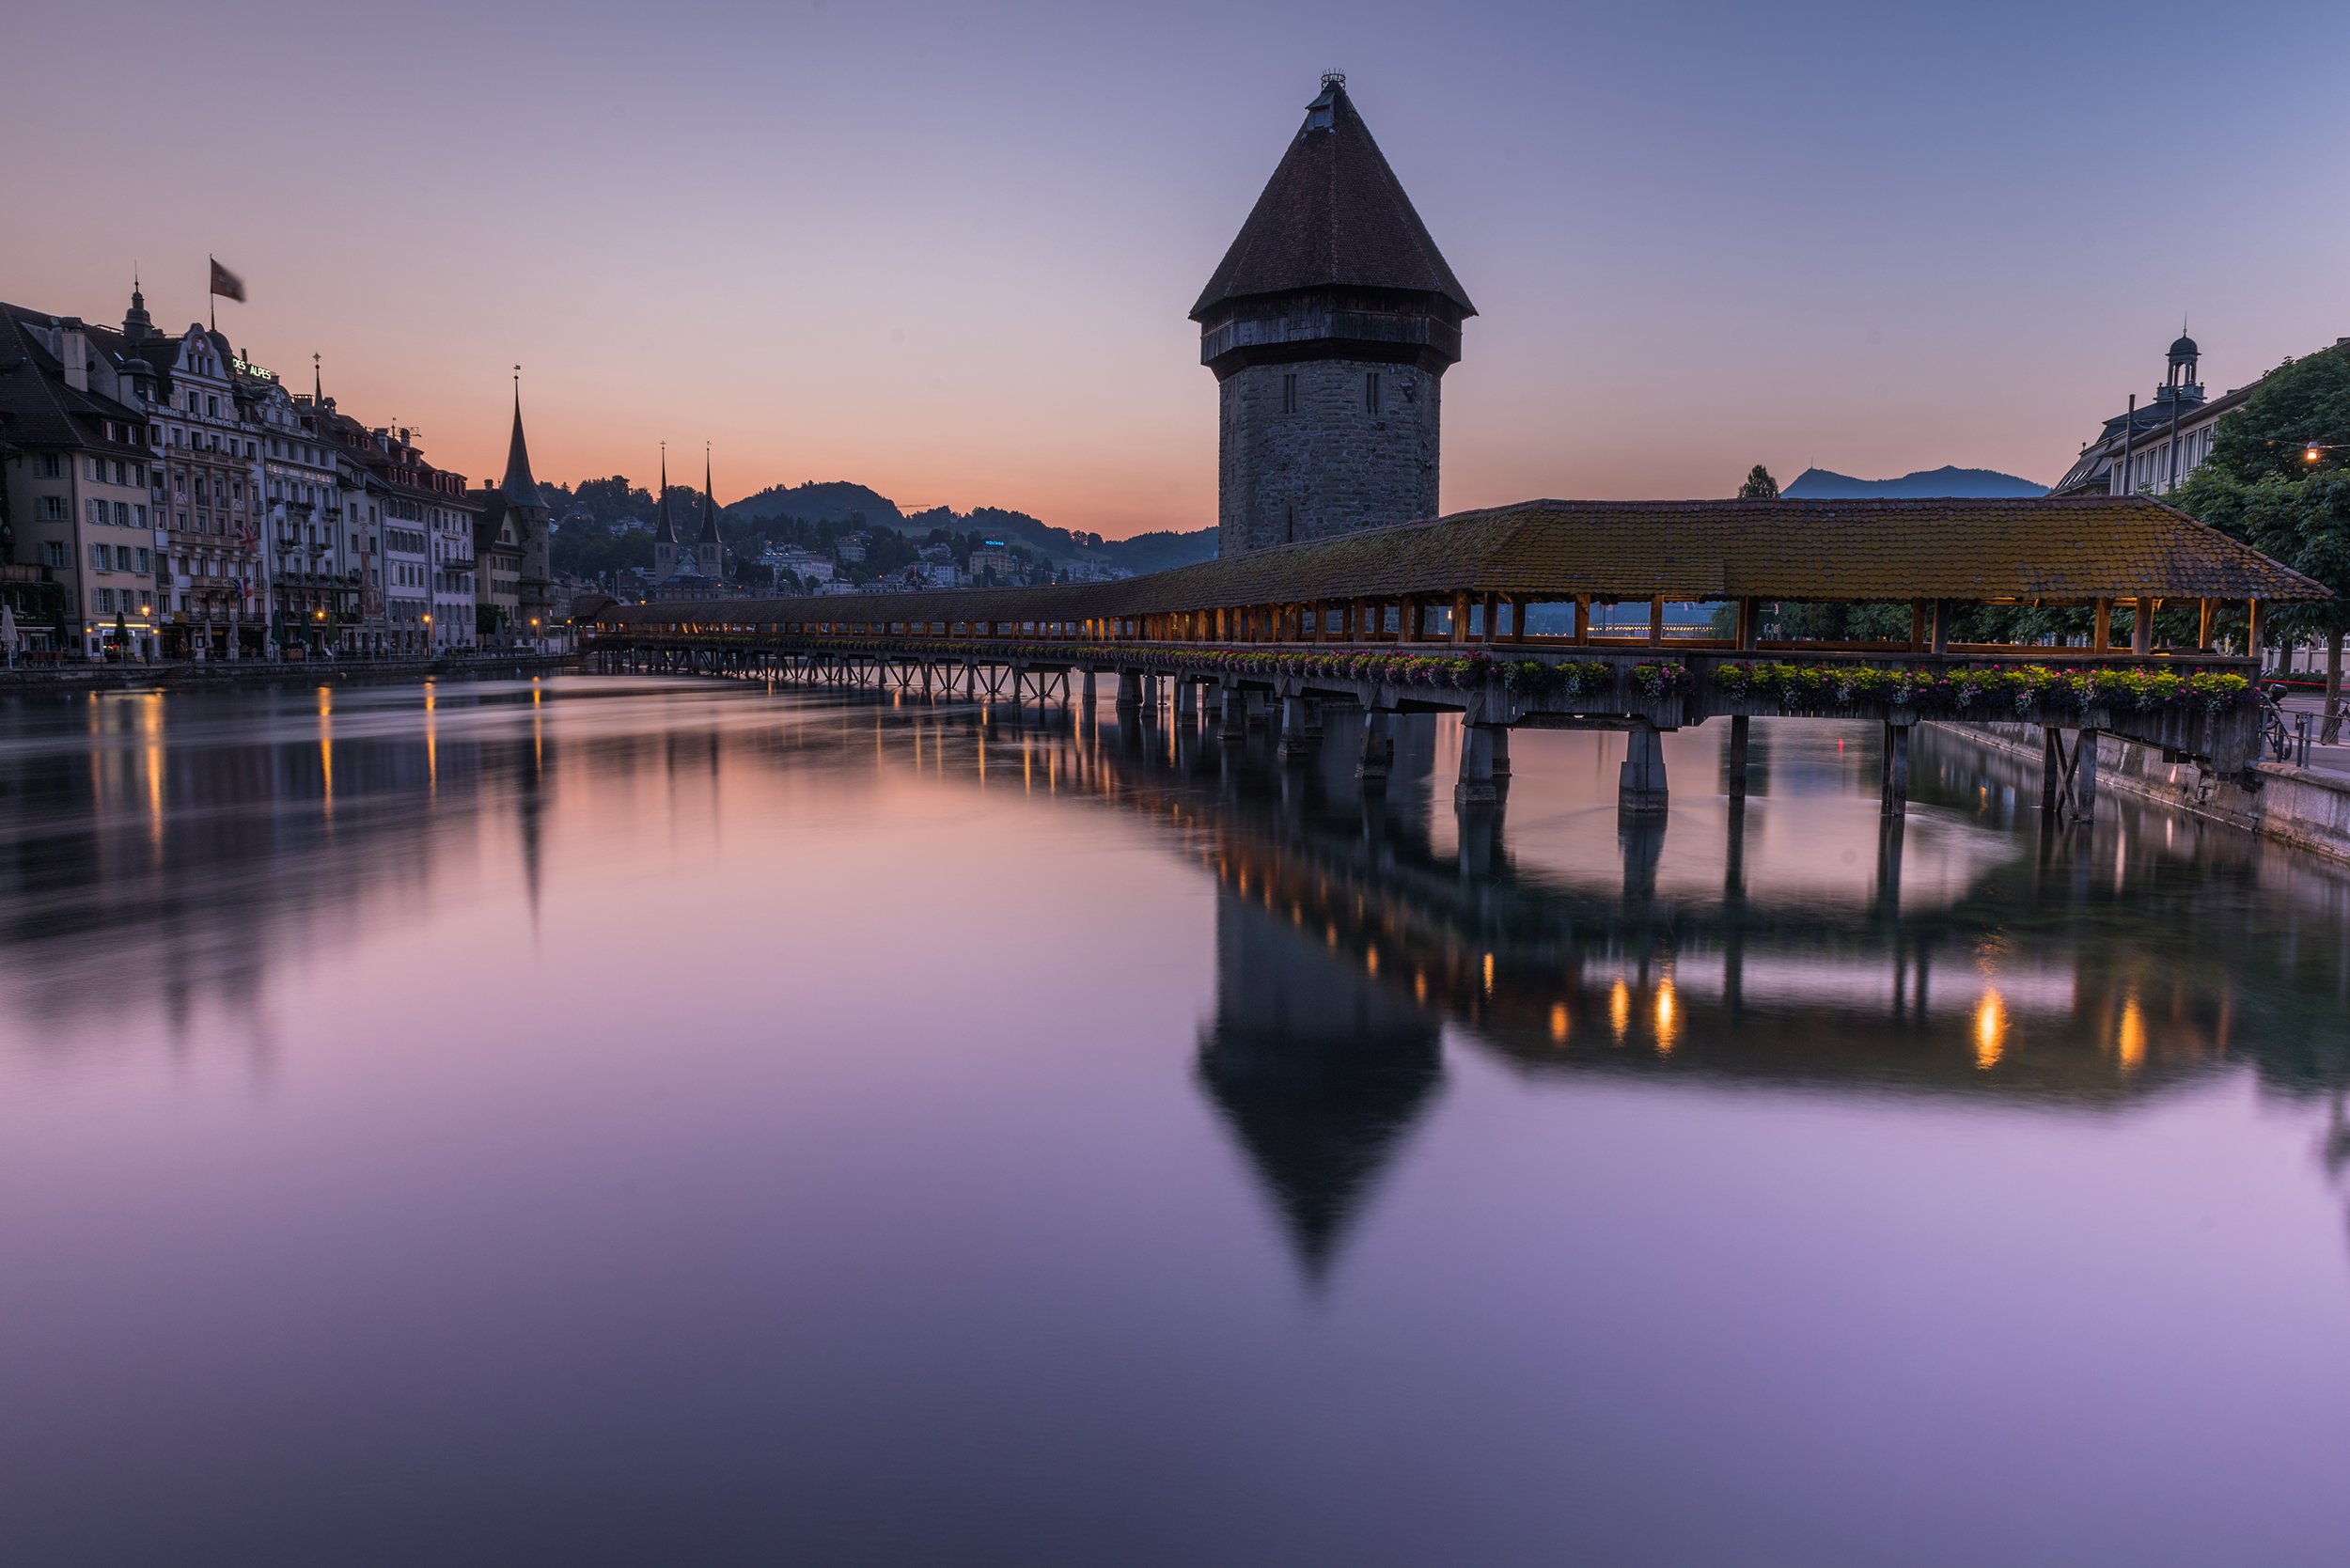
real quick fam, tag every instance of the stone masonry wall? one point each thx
(1333, 465)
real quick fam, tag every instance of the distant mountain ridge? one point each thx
(1820, 484)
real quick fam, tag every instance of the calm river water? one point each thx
(628, 1122)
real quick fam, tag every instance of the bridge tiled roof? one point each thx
(2066, 550)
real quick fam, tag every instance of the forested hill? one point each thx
(848, 505)
(593, 538)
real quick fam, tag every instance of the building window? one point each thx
(52, 508)
(1289, 392)
(102, 598)
(52, 554)
(1371, 392)
(144, 562)
(51, 467)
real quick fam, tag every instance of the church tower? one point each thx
(710, 551)
(1329, 326)
(528, 506)
(665, 542)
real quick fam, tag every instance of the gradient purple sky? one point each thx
(946, 250)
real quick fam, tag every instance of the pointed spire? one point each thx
(518, 487)
(709, 504)
(667, 533)
(318, 383)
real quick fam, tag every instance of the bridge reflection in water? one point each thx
(1797, 940)
(2011, 959)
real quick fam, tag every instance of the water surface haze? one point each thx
(613, 1121)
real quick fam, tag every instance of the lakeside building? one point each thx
(76, 484)
(200, 510)
(2153, 451)
(313, 581)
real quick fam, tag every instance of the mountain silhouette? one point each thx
(1820, 484)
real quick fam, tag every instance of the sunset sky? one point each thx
(946, 250)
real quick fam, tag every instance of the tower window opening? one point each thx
(1289, 392)
(1371, 392)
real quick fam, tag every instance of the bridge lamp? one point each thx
(2312, 453)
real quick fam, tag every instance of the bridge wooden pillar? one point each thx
(1129, 689)
(1186, 698)
(2142, 625)
(2068, 780)
(1739, 726)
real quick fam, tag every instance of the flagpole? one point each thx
(211, 301)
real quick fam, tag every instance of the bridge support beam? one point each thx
(2068, 779)
(1378, 749)
(1232, 715)
(1089, 691)
(1298, 742)
(1739, 726)
(1186, 698)
(1640, 786)
(1475, 786)
(1894, 797)
(1129, 688)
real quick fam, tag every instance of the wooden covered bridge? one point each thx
(2111, 614)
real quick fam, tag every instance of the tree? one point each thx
(2261, 486)
(1759, 486)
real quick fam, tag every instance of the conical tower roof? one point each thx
(667, 533)
(1333, 216)
(518, 487)
(710, 506)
